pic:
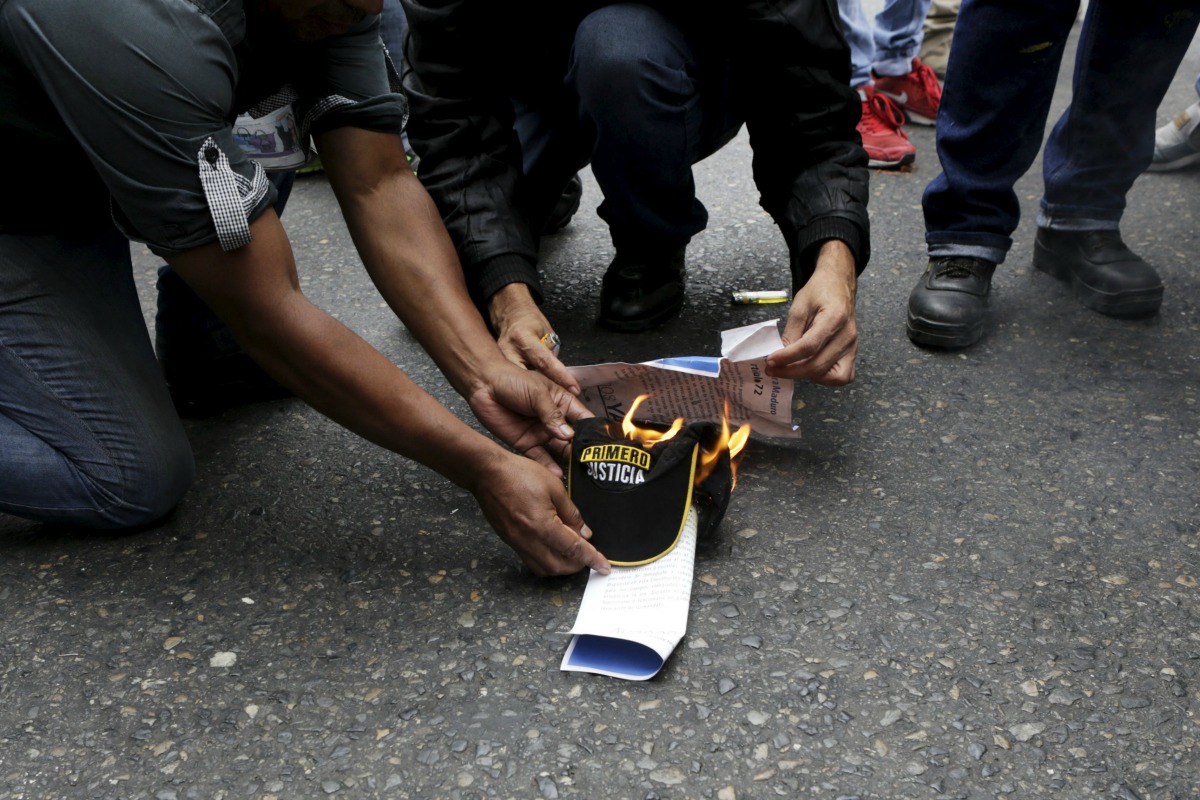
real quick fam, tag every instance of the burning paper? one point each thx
(700, 388)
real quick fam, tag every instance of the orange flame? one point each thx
(647, 436)
(734, 442)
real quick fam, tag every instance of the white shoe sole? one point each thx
(1179, 163)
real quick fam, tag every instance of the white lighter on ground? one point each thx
(744, 298)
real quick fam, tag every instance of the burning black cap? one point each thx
(636, 497)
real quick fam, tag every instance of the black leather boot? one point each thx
(565, 207)
(948, 306)
(1104, 274)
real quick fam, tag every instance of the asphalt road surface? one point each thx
(974, 576)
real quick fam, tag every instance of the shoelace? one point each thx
(928, 80)
(956, 268)
(881, 114)
(1109, 240)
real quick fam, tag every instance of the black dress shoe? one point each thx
(948, 306)
(565, 207)
(640, 293)
(1104, 274)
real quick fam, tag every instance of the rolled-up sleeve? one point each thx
(349, 81)
(809, 164)
(142, 89)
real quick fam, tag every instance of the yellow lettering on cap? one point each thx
(616, 453)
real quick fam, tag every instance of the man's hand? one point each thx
(520, 331)
(820, 340)
(529, 412)
(531, 511)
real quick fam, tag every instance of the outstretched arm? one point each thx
(409, 256)
(461, 123)
(408, 253)
(256, 291)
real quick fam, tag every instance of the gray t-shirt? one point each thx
(123, 110)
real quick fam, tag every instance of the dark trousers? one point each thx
(999, 84)
(644, 99)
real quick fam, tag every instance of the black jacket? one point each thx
(792, 66)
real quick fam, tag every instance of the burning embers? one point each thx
(710, 452)
(636, 484)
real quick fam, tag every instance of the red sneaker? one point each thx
(883, 137)
(918, 93)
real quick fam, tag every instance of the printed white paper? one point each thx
(631, 619)
(696, 387)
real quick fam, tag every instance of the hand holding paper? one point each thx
(821, 336)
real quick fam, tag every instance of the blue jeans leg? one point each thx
(999, 84)
(857, 30)
(653, 100)
(1128, 55)
(88, 434)
(890, 45)
(899, 30)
